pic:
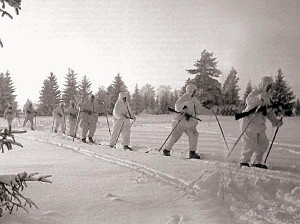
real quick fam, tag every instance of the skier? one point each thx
(182, 123)
(89, 110)
(30, 113)
(122, 114)
(72, 113)
(255, 141)
(9, 115)
(59, 116)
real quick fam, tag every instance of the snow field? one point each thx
(247, 195)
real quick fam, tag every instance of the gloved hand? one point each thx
(278, 123)
(214, 108)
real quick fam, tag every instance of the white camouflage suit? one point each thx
(72, 113)
(255, 140)
(9, 115)
(89, 111)
(187, 126)
(30, 113)
(121, 114)
(59, 116)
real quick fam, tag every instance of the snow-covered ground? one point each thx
(97, 184)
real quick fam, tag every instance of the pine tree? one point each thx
(283, 94)
(71, 88)
(49, 95)
(297, 108)
(137, 106)
(7, 90)
(248, 90)
(84, 89)
(206, 71)
(114, 90)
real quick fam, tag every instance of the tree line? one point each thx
(149, 99)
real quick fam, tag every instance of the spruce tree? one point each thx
(84, 88)
(55, 89)
(71, 88)
(283, 94)
(137, 106)
(7, 90)
(206, 71)
(49, 95)
(115, 89)
(230, 89)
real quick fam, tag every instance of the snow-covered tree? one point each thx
(15, 4)
(148, 98)
(7, 90)
(71, 88)
(206, 71)
(283, 94)
(137, 104)
(49, 95)
(84, 88)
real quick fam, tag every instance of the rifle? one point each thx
(262, 109)
(186, 114)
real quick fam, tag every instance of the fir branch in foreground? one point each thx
(11, 187)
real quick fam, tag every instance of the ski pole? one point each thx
(131, 123)
(242, 132)
(171, 132)
(272, 142)
(119, 133)
(65, 123)
(19, 120)
(53, 123)
(107, 123)
(77, 121)
(221, 130)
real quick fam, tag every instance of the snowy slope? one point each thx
(160, 189)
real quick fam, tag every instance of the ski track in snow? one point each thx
(251, 195)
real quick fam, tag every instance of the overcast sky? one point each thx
(149, 41)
